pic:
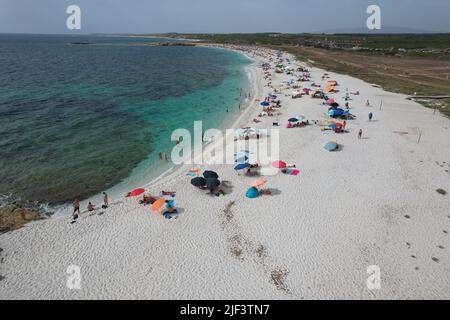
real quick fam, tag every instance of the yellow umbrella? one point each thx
(258, 183)
(158, 204)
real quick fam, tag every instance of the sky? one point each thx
(219, 16)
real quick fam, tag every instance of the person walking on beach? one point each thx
(370, 116)
(360, 134)
(367, 103)
(76, 208)
(105, 200)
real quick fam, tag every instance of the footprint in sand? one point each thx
(435, 259)
(407, 216)
(441, 247)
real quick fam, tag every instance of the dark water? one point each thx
(76, 119)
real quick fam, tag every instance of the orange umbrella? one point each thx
(158, 204)
(258, 183)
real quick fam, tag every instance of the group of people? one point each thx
(90, 207)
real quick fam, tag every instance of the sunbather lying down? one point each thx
(146, 200)
(265, 192)
(170, 212)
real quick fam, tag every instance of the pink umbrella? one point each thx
(330, 101)
(136, 192)
(279, 164)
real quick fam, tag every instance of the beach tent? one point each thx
(331, 146)
(279, 164)
(252, 193)
(198, 182)
(210, 174)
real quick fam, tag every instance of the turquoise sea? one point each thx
(81, 114)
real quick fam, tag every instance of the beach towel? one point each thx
(193, 172)
(292, 172)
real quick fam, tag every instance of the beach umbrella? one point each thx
(301, 118)
(212, 183)
(210, 174)
(198, 182)
(241, 166)
(136, 192)
(241, 158)
(330, 101)
(239, 132)
(293, 120)
(252, 193)
(279, 164)
(258, 183)
(335, 105)
(265, 104)
(331, 146)
(158, 204)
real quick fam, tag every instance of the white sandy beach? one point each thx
(374, 202)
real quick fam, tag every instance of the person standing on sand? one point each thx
(360, 134)
(105, 200)
(76, 208)
(367, 103)
(370, 116)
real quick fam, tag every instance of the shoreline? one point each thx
(374, 202)
(176, 170)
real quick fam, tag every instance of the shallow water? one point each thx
(76, 119)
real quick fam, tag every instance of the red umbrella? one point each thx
(136, 192)
(279, 164)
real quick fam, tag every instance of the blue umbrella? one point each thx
(242, 166)
(331, 146)
(265, 104)
(252, 193)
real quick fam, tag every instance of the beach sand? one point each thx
(374, 202)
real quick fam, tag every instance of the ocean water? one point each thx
(81, 114)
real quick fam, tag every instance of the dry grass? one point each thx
(407, 75)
